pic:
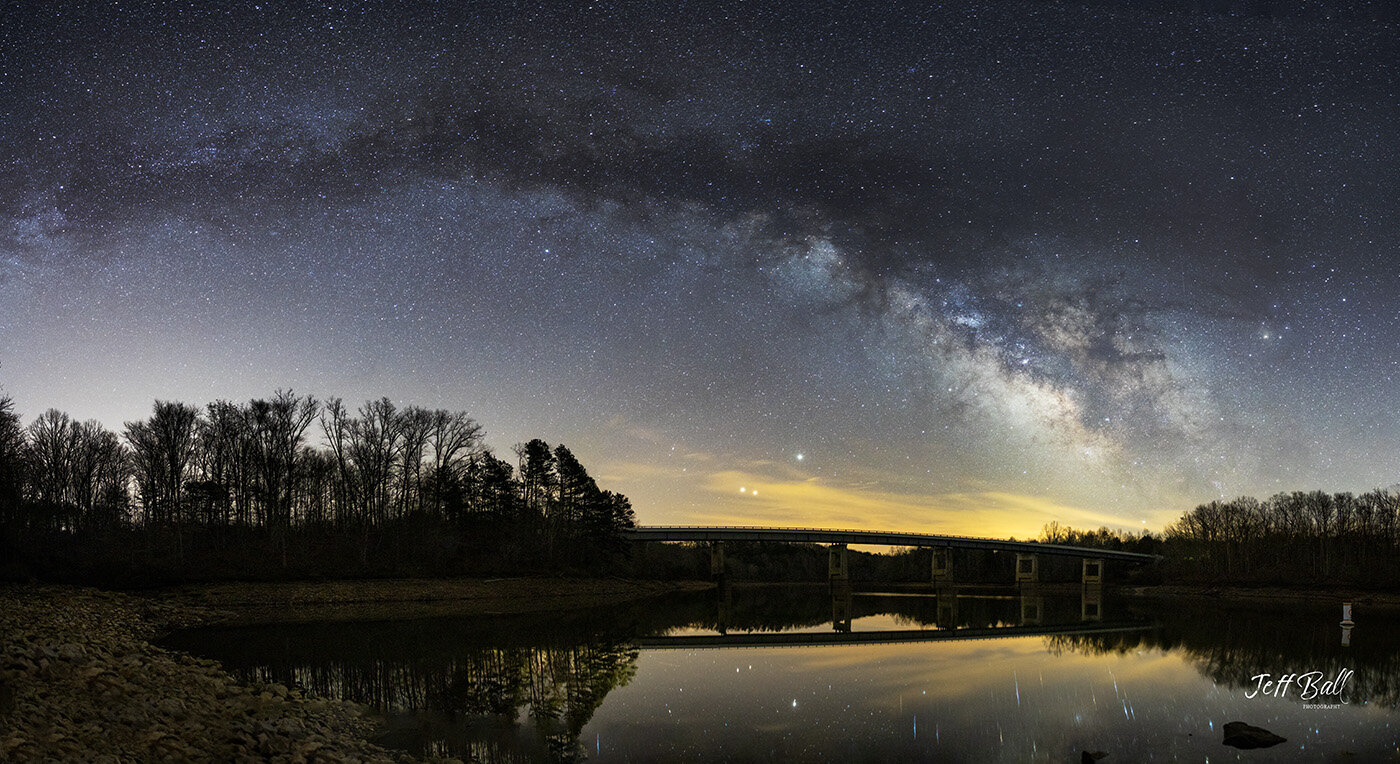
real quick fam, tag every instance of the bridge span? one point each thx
(1027, 552)
(803, 638)
(880, 538)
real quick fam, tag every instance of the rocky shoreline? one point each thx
(81, 681)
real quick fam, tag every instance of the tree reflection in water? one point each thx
(1234, 643)
(513, 702)
(522, 688)
(485, 689)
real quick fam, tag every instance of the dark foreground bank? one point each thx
(1266, 594)
(81, 681)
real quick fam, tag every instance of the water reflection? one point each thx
(1233, 648)
(884, 675)
(516, 689)
(786, 608)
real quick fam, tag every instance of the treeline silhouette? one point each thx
(1298, 537)
(240, 490)
(1141, 542)
(1233, 642)
(1301, 537)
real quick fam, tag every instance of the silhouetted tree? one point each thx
(163, 450)
(577, 493)
(101, 468)
(241, 479)
(12, 472)
(1290, 537)
(454, 439)
(279, 426)
(492, 490)
(619, 513)
(414, 426)
(538, 481)
(337, 425)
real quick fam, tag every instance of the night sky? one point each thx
(969, 268)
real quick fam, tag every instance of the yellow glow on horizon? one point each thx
(813, 503)
(670, 495)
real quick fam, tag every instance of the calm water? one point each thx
(796, 674)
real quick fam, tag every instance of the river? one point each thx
(771, 673)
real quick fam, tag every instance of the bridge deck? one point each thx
(882, 538)
(797, 639)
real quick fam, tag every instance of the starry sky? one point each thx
(967, 267)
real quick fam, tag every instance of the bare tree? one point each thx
(12, 472)
(278, 429)
(163, 449)
(415, 426)
(453, 439)
(50, 462)
(337, 425)
(99, 475)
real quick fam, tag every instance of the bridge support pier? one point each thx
(837, 564)
(1093, 571)
(724, 606)
(1027, 568)
(942, 564)
(1091, 604)
(841, 609)
(1032, 609)
(717, 559)
(947, 599)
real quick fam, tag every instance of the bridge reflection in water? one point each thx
(1029, 618)
(800, 638)
(551, 686)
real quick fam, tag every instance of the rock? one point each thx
(80, 682)
(1245, 736)
(1086, 757)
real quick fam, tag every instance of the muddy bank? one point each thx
(249, 603)
(1268, 594)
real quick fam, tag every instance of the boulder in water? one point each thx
(1241, 735)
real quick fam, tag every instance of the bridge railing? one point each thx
(881, 538)
(859, 531)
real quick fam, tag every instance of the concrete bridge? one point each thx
(801, 638)
(1027, 552)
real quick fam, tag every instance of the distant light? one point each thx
(754, 492)
(742, 489)
(799, 457)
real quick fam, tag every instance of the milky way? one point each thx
(982, 265)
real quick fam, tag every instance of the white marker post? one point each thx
(1347, 623)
